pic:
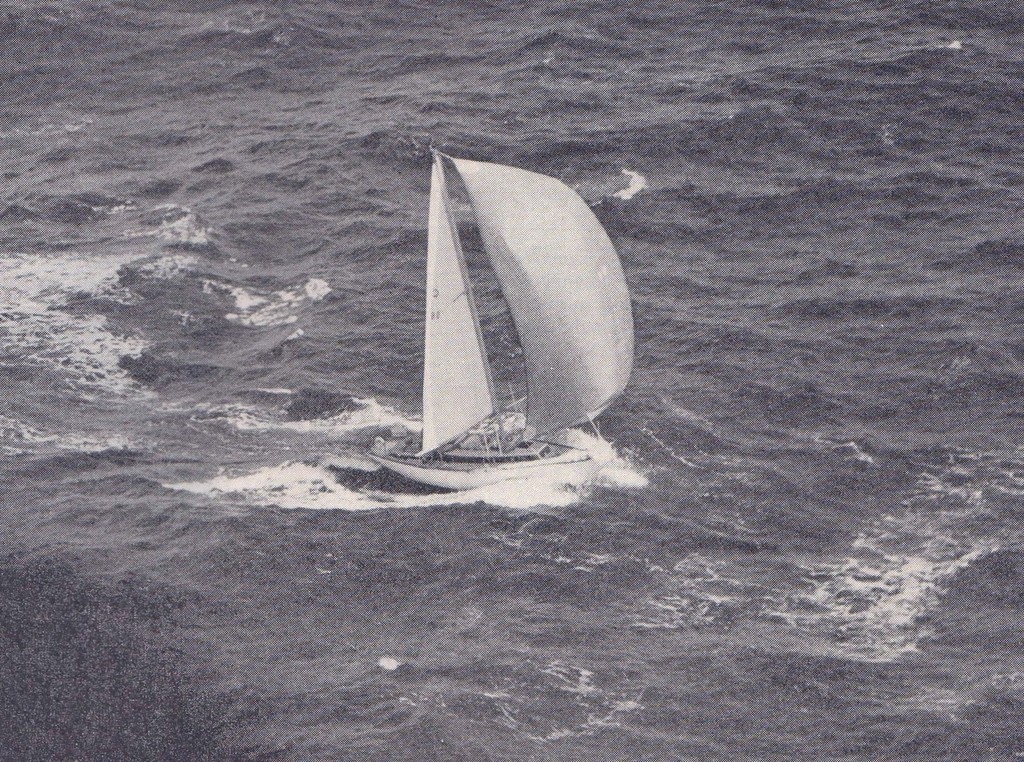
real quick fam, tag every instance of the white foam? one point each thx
(875, 599)
(617, 470)
(52, 130)
(168, 267)
(572, 679)
(348, 463)
(241, 417)
(855, 450)
(293, 485)
(13, 430)
(559, 701)
(48, 275)
(669, 450)
(369, 414)
(299, 485)
(111, 210)
(277, 308)
(180, 225)
(77, 126)
(700, 592)
(637, 183)
(871, 603)
(37, 326)
(389, 663)
(955, 45)
(316, 289)
(938, 486)
(1009, 681)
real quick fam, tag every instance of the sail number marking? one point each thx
(435, 294)
(435, 314)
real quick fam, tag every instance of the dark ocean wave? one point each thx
(1004, 254)
(88, 651)
(881, 307)
(989, 13)
(574, 44)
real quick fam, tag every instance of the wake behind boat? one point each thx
(567, 295)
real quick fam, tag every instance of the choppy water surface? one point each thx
(805, 543)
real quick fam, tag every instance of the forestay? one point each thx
(565, 288)
(457, 388)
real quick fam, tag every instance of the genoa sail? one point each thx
(564, 286)
(457, 388)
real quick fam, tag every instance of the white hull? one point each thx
(573, 467)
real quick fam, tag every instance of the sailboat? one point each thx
(567, 295)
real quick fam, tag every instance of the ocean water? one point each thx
(805, 542)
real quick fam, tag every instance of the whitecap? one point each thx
(851, 448)
(180, 225)
(368, 414)
(558, 701)
(617, 470)
(14, 430)
(167, 267)
(873, 602)
(700, 592)
(316, 289)
(637, 183)
(39, 328)
(572, 679)
(273, 309)
(52, 130)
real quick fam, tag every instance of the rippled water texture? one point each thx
(805, 540)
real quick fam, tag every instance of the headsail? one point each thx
(565, 288)
(457, 388)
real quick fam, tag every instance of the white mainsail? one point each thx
(564, 286)
(457, 388)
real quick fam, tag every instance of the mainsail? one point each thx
(564, 286)
(457, 388)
